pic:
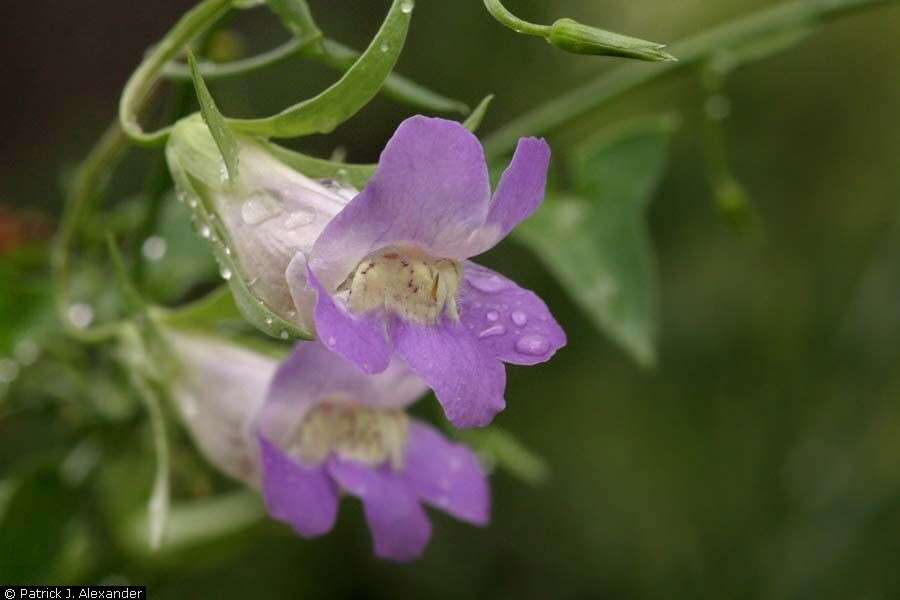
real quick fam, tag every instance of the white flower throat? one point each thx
(408, 282)
(354, 432)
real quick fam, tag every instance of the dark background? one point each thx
(761, 459)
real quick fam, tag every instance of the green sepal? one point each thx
(215, 121)
(323, 113)
(320, 168)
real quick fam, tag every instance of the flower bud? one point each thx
(572, 36)
(270, 216)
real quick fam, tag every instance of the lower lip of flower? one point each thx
(407, 282)
(353, 432)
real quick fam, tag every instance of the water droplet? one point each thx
(291, 314)
(285, 335)
(406, 6)
(225, 272)
(492, 331)
(192, 202)
(227, 251)
(489, 284)
(492, 316)
(154, 248)
(299, 218)
(533, 344)
(385, 47)
(269, 320)
(26, 352)
(259, 207)
(332, 341)
(205, 231)
(81, 315)
(519, 318)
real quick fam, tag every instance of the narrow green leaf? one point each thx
(215, 121)
(396, 87)
(295, 16)
(323, 113)
(473, 121)
(596, 243)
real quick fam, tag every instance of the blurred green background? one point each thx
(760, 459)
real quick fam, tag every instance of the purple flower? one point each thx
(392, 274)
(327, 428)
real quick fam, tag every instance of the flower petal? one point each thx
(467, 380)
(447, 475)
(304, 497)
(521, 188)
(511, 323)
(312, 373)
(361, 340)
(400, 528)
(431, 190)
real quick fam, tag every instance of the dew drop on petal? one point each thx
(260, 207)
(489, 284)
(332, 341)
(492, 331)
(533, 344)
(519, 318)
(298, 218)
(492, 316)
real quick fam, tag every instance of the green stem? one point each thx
(86, 188)
(499, 12)
(580, 101)
(212, 71)
(143, 80)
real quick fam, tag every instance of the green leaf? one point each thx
(499, 448)
(323, 113)
(33, 526)
(295, 16)
(215, 121)
(596, 242)
(473, 121)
